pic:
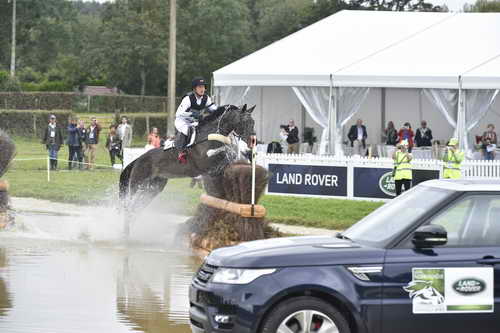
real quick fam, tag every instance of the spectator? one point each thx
(114, 145)
(489, 141)
(402, 167)
(292, 137)
(125, 132)
(74, 143)
(357, 135)
(92, 140)
(82, 133)
(390, 134)
(423, 138)
(53, 140)
(406, 133)
(154, 139)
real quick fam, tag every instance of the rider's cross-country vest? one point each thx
(194, 105)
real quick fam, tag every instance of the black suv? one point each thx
(428, 261)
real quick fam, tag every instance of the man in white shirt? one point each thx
(357, 135)
(186, 117)
(124, 131)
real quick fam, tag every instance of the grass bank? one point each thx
(29, 179)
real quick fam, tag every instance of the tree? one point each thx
(483, 6)
(211, 34)
(134, 45)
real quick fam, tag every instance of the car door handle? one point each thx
(489, 261)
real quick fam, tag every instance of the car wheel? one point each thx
(305, 315)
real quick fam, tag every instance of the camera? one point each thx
(285, 127)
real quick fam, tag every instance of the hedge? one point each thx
(31, 123)
(82, 103)
(140, 123)
(37, 101)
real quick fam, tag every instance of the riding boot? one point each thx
(182, 157)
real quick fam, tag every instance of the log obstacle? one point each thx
(224, 215)
(243, 210)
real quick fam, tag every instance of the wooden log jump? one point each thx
(244, 210)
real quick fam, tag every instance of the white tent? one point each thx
(372, 64)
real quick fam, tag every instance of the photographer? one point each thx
(291, 133)
(406, 133)
(452, 158)
(114, 145)
(402, 167)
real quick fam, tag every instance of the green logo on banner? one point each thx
(469, 286)
(387, 185)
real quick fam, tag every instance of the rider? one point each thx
(186, 117)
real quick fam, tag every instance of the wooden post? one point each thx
(13, 51)
(147, 125)
(171, 68)
(34, 125)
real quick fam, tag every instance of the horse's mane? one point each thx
(209, 116)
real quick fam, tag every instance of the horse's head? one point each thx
(238, 120)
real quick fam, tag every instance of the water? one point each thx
(75, 274)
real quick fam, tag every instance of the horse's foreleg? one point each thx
(141, 195)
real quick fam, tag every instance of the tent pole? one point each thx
(382, 109)
(460, 131)
(332, 120)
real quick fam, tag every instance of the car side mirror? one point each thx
(429, 236)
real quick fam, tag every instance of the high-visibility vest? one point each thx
(451, 169)
(403, 167)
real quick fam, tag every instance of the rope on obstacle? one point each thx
(244, 210)
(62, 160)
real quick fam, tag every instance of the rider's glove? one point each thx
(195, 115)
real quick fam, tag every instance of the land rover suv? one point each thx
(428, 261)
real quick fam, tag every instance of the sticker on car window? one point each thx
(451, 290)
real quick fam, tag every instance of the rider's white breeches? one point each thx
(182, 125)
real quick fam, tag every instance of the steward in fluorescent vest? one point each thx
(402, 167)
(452, 159)
(188, 112)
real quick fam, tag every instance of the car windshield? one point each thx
(378, 228)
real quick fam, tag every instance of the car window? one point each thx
(395, 217)
(472, 221)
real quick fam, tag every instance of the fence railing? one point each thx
(470, 168)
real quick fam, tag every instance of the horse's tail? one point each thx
(125, 181)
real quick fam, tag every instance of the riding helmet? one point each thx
(198, 81)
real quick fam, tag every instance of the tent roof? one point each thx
(374, 49)
(484, 76)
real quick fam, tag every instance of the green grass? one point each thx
(29, 179)
(334, 214)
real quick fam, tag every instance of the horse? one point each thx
(143, 179)
(424, 292)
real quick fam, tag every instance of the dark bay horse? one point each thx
(143, 179)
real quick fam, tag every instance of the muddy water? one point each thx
(75, 274)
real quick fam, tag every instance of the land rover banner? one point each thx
(379, 182)
(452, 290)
(308, 180)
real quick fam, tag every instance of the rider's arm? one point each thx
(211, 106)
(183, 107)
